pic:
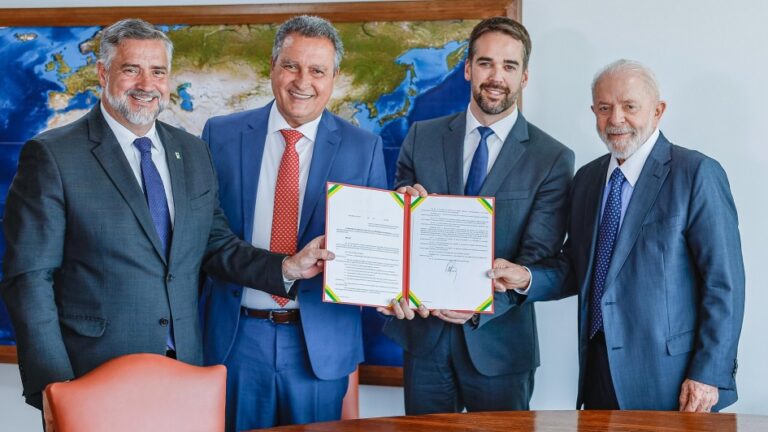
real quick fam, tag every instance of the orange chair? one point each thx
(139, 392)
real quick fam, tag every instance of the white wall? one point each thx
(711, 58)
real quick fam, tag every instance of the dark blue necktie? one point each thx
(158, 205)
(479, 167)
(606, 239)
(154, 192)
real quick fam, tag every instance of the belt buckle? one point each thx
(273, 313)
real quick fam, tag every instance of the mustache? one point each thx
(494, 86)
(141, 94)
(613, 130)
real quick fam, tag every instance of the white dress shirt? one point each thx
(274, 146)
(472, 139)
(631, 168)
(125, 138)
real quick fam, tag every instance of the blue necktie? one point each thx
(479, 167)
(154, 192)
(606, 239)
(158, 205)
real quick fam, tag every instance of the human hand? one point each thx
(401, 310)
(697, 397)
(453, 317)
(416, 190)
(507, 275)
(308, 262)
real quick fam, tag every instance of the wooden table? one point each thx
(547, 421)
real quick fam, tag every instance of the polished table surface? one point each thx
(547, 421)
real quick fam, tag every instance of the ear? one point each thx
(524, 80)
(658, 112)
(102, 73)
(468, 69)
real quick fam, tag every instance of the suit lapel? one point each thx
(324, 153)
(252, 142)
(113, 161)
(453, 153)
(647, 188)
(510, 153)
(594, 183)
(174, 159)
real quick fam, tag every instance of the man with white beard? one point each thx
(654, 254)
(110, 221)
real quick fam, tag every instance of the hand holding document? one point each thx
(432, 251)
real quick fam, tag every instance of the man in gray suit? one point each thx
(456, 360)
(654, 255)
(109, 222)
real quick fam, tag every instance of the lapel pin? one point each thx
(178, 156)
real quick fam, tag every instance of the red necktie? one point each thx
(285, 216)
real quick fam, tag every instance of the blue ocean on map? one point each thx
(27, 57)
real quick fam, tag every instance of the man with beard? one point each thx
(654, 255)
(456, 360)
(109, 222)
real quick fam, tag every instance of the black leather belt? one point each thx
(277, 316)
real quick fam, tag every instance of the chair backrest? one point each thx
(139, 392)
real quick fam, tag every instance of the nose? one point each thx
(617, 116)
(302, 79)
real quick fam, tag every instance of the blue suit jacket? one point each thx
(342, 153)
(674, 293)
(530, 181)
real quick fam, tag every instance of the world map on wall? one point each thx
(393, 73)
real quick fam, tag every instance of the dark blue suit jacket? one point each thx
(674, 293)
(342, 153)
(530, 181)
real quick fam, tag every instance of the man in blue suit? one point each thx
(287, 361)
(654, 255)
(456, 360)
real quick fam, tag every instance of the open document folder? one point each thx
(434, 251)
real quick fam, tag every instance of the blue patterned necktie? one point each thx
(158, 205)
(479, 167)
(155, 193)
(609, 230)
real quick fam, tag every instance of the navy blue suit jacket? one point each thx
(530, 181)
(674, 293)
(342, 153)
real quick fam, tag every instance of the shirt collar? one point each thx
(501, 128)
(277, 121)
(124, 136)
(632, 167)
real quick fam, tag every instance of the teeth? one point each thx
(299, 95)
(147, 99)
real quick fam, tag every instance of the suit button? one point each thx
(235, 293)
(164, 322)
(169, 277)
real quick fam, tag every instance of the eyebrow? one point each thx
(512, 62)
(136, 65)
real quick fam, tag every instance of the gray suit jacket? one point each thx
(674, 294)
(84, 279)
(530, 181)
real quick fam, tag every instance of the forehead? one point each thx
(151, 51)
(622, 86)
(499, 45)
(314, 50)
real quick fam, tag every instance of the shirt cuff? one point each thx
(530, 282)
(287, 283)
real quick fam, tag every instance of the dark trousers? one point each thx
(446, 381)
(598, 385)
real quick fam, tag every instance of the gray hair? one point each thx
(624, 65)
(131, 28)
(312, 27)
